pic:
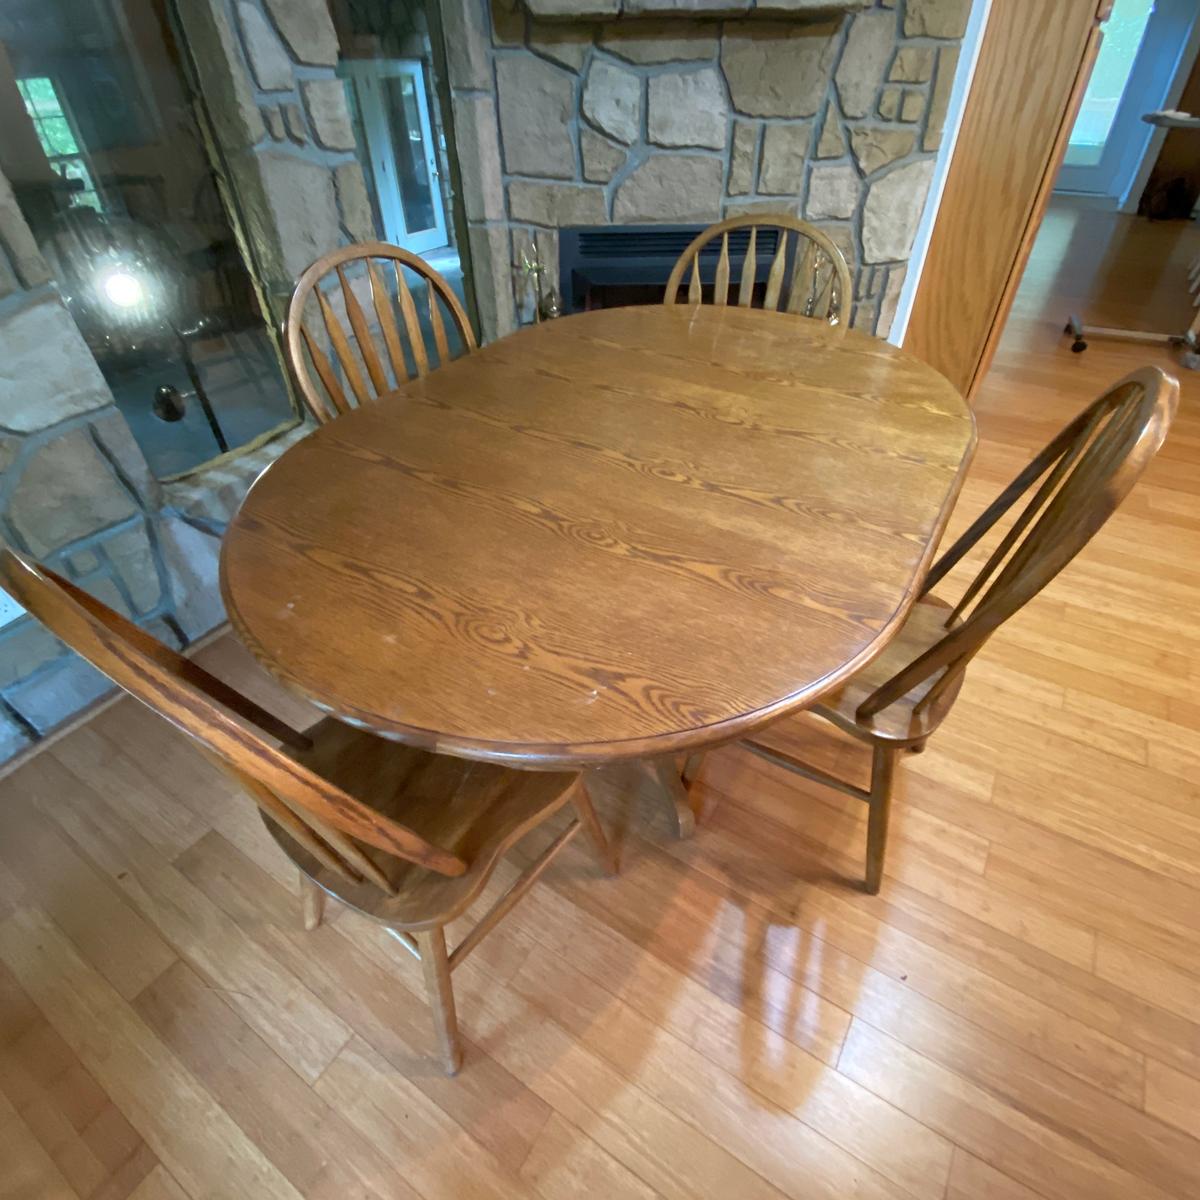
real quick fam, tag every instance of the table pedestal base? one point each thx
(665, 773)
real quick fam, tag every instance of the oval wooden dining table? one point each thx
(618, 535)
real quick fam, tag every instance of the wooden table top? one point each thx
(617, 534)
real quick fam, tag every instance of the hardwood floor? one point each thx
(1016, 1016)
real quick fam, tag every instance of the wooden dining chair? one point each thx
(806, 273)
(367, 369)
(904, 694)
(404, 837)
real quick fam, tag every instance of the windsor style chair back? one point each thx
(405, 837)
(806, 272)
(1060, 501)
(1077, 482)
(348, 365)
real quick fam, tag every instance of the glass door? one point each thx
(389, 98)
(99, 141)
(1144, 41)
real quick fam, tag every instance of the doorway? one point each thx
(386, 61)
(388, 100)
(1143, 49)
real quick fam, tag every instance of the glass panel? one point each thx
(1123, 33)
(56, 136)
(111, 173)
(40, 97)
(412, 153)
(83, 193)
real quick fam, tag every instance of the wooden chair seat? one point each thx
(403, 836)
(902, 722)
(475, 810)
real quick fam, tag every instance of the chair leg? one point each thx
(436, 965)
(691, 767)
(586, 812)
(883, 766)
(312, 902)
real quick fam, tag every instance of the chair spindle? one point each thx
(362, 335)
(387, 323)
(775, 276)
(749, 271)
(819, 287)
(341, 347)
(408, 311)
(347, 374)
(329, 380)
(721, 287)
(439, 330)
(800, 295)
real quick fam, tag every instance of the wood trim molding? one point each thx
(1033, 66)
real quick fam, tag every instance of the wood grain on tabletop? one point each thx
(612, 534)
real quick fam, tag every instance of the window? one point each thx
(56, 132)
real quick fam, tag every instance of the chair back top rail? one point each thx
(1077, 481)
(338, 364)
(806, 275)
(230, 728)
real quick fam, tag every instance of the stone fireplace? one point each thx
(572, 113)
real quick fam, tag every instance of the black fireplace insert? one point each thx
(606, 266)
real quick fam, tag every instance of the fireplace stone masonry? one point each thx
(587, 112)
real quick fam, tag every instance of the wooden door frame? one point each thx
(985, 228)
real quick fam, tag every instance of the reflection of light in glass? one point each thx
(123, 289)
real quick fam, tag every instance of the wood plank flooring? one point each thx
(1015, 1017)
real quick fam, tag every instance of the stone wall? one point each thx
(266, 69)
(77, 493)
(682, 117)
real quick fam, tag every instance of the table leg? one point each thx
(665, 773)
